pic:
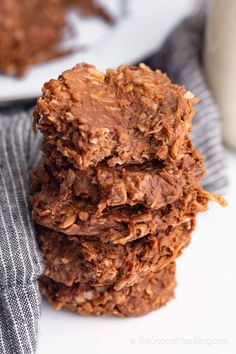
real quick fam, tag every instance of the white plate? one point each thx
(134, 36)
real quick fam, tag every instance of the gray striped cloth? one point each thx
(20, 262)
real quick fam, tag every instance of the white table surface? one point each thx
(201, 320)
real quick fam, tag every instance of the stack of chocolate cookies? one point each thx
(117, 192)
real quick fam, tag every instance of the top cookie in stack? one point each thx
(127, 116)
(117, 191)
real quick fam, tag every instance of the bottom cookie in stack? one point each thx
(152, 291)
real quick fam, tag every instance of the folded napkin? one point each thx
(20, 262)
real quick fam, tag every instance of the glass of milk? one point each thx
(220, 62)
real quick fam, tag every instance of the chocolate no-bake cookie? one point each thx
(115, 224)
(149, 294)
(31, 31)
(152, 184)
(70, 260)
(128, 115)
